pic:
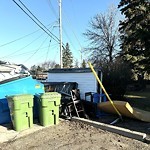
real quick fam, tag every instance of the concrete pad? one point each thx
(122, 131)
(8, 134)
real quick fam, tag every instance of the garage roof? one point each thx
(71, 70)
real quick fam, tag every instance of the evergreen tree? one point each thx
(83, 64)
(67, 58)
(135, 35)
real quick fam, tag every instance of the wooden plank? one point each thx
(126, 110)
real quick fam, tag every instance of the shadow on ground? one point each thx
(128, 123)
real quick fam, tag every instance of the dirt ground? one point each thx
(70, 135)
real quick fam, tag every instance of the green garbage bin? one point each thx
(21, 111)
(49, 108)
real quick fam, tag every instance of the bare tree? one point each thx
(103, 36)
(47, 65)
(2, 62)
(76, 65)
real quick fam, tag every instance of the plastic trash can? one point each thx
(96, 99)
(49, 108)
(21, 111)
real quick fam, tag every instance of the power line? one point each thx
(32, 51)
(71, 27)
(22, 47)
(69, 23)
(73, 30)
(54, 12)
(28, 52)
(36, 50)
(43, 54)
(12, 54)
(48, 50)
(42, 26)
(70, 41)
(18, 38)
(38, 19)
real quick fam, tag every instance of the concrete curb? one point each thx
(122, 131)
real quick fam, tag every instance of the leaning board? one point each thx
(125, 109)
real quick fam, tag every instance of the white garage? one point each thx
(83, 76)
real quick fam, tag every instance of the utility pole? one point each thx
(60, 32)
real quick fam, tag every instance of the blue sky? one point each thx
(39, 47)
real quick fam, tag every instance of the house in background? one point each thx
(8, 71)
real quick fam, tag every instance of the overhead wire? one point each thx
(28, 52)
(56, 54)
(52, 35)
(22, 47)
(54, 12)
(18, 38)
(73, 31)
(57, 17)
(36, 50)
(52, 8)
(44, 54)
(12, 54)
(71, 27)
(41, 25)
(37, 21)
(66, 34)
(48, 47)
(33, 51)
(63, 28)
(48, 50)
(39, 49)
(34, 18)
(69, 23)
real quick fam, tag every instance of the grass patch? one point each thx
(139, 99)
(139, 94)
(134, 96)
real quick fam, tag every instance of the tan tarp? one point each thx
(126, 110)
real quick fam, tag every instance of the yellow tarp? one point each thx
(126, 110)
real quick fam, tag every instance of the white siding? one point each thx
(86, 81)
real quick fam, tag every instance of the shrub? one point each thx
(116, 77)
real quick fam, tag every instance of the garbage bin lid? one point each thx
(20, 96)
(50, 95)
